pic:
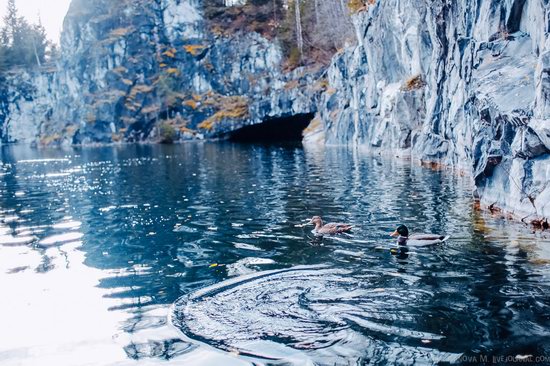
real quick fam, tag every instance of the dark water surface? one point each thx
(195, 255)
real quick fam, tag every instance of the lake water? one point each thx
(196, 254)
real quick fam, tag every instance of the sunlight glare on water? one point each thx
(200, 254)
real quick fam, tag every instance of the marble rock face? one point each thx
(461, 83)
(132, 70)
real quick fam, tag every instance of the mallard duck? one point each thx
(330, 228)
(403, 237)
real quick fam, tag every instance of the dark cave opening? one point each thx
(274, 130)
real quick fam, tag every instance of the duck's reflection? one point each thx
(401, 253)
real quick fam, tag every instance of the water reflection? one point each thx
(97, 243)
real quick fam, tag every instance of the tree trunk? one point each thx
(299, 36)
(36, 52)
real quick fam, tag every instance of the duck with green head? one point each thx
(403, 237)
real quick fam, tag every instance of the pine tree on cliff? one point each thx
(39, 42)
(4, 48)
(12, 34)
(6, 36)
(22, 44)
(53, 52)
(11, 19)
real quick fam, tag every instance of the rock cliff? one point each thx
(150, 70)
(461, 83)
(464, 84)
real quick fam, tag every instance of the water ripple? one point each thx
(113, 235)
(309, 309)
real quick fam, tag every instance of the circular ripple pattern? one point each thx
(318, 313)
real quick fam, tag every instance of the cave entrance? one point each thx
(274, 130)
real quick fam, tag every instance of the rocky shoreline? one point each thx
(453, 84)
(461, 85)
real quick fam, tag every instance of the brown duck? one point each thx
(330, 228)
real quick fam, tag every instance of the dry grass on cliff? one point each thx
(191, 103)
(413, 83)
(194, 49)
(235, 107)
(356, 6)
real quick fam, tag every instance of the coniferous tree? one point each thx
(11, 19)
(4, 48)
(40, 42)
(21, 44)
(52, 53)
(3, 59)
(10, 25)
(22, 48)
(13, 33)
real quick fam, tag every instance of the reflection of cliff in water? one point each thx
(155, 219)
